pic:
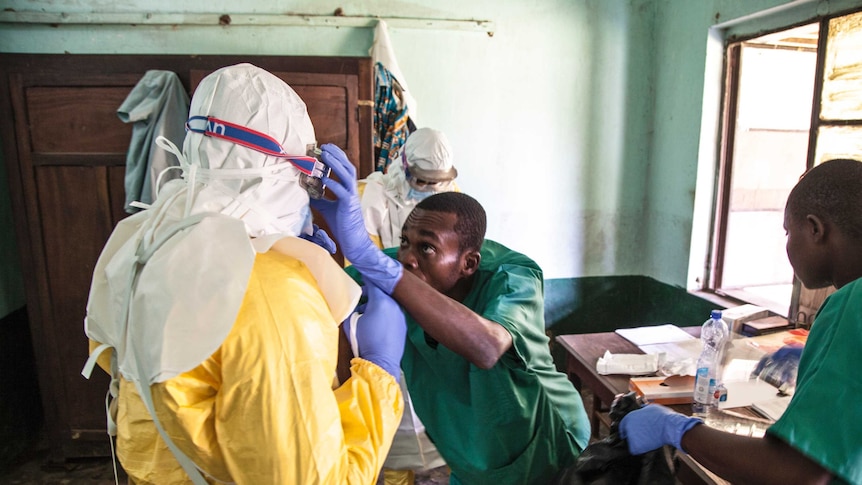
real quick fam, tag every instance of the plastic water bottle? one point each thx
(714, 335)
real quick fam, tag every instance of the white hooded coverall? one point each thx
(236, 337)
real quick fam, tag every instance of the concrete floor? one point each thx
(34, 468)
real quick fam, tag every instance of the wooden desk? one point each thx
(583, 351)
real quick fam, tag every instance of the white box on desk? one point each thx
(734, 317)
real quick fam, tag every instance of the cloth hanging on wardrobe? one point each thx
(394, 108)
(390, 120)
(158, 106)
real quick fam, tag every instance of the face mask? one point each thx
(306, 225)
(417, 195)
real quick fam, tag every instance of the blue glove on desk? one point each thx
(780, 368)
(380, 331)
(321, 238)
(654, 426)
(344, 217)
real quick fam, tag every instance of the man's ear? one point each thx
(471, 262)
(816, 228)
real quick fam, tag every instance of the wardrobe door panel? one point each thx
(78, 119)
(65, 151)
(76, 220)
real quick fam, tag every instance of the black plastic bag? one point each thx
(608, 461)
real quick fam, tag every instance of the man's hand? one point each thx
(321, 238)
(344, 217)
(380, 331)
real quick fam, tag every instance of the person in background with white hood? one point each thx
(387, 198)
(223, 324)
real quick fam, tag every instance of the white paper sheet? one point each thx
(772, 408)
(688, 349)
(744, 393)
(656, 334)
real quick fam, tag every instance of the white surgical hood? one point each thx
(251, 97)
(170, 281)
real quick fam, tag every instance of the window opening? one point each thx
(793, 99)
(768, 105)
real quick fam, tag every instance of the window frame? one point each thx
(716, 253)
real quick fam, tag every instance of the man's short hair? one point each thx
(471, 221)
(831, 191)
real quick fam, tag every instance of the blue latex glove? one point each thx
(321, 238)
(380, 331)
(344, 217)
(654, 426)
(780, 367)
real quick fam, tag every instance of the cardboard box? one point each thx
(664, 389)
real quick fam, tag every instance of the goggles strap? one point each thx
(244, 136)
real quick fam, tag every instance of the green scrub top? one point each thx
(521, 421)
(828, 381)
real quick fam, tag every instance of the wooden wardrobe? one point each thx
(65, 152)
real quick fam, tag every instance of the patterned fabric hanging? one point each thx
(391, 122)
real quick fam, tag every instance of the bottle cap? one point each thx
(715, 314)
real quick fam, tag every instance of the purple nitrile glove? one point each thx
(344, 217)
(654, 426)
(321, 238)
(381, 331)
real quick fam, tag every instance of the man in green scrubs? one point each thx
(477, 357)
(508, 418)
(817, 439)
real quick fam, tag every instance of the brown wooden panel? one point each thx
(76, 221)
(326, 108)
(117, 193)
(77, 119)
(365, 119)
(331, 100)
(17, 153)
(79, 159)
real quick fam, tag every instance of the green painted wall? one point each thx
(580, 124)
(606, 303)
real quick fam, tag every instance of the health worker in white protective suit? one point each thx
(224, 325)
(388, 198)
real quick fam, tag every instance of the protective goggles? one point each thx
(311, 169)
(425, 185)
(420, 184)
